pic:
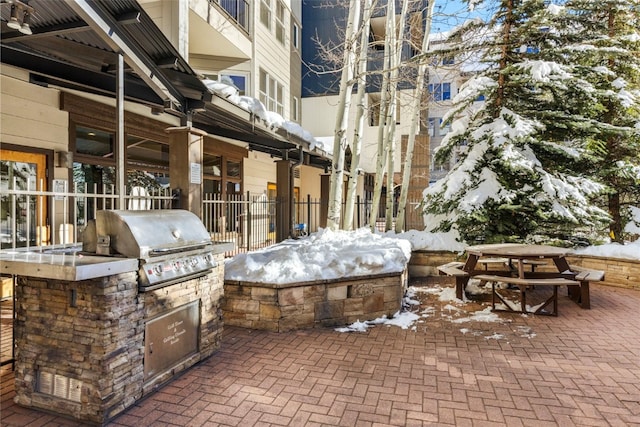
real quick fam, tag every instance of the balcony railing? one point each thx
(237, 10)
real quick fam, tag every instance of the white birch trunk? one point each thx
(384, 100)
(390, 122)
(356, 145)
(342, 115)
(415, 116)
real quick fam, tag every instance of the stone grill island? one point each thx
(92, 338)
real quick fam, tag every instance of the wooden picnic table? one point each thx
(518, 256)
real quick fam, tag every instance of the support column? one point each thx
(185, 166)
(325, 185)
(284, 199)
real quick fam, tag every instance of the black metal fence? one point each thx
(249, 221)
(31, 218)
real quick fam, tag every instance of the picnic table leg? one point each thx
(493, 296)
(584, 295)
(580, 294)
(561, 264)
(523, 299)
(461, 284)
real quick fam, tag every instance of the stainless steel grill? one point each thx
(171, 245)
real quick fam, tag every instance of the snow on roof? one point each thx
(226, 89)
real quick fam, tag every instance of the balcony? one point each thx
(238, 10)
(220, 29)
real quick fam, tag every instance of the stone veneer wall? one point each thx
(99, 340)
(617, 272)
(425, 263)
(324, 303)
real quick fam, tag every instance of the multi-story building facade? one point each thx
(323, 26)
(94, 89)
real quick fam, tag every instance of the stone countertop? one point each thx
(69, 266)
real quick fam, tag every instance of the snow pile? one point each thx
(613, 250)
(335, 254)
(323, 255)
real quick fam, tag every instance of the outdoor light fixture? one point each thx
(20, 18)
(13, 20)
(26, 28)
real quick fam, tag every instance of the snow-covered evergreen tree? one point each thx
(521, 172)
(604, 39)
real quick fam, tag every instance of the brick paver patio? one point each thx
(581, 368)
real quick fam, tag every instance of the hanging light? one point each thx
(13, 20)
(26, 20)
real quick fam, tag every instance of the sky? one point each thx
(450, 13)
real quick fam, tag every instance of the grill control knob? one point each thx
(158, 269)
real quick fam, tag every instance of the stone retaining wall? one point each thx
(325, 303)
(617, 272)
(624, 273)
(425, 263)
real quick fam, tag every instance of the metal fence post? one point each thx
(248, 203)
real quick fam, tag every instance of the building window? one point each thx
(440, 91)
(271, 93)
(240, 81)
(221, 175)
(448, 60)
(265, 13)
(436, 122)
(295, 106)
(295, 36)
(280, 22)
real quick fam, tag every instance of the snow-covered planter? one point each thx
(329, 278)
(323, 303)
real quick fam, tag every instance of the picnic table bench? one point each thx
(523, 285)
(455, 269)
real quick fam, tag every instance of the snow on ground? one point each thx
(323, 255)
(330, 254)
(453, 310)
(613, 250)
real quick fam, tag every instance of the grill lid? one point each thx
(145, 234)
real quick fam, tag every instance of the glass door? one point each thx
(22, 217)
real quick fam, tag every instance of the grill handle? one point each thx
(176, 249)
